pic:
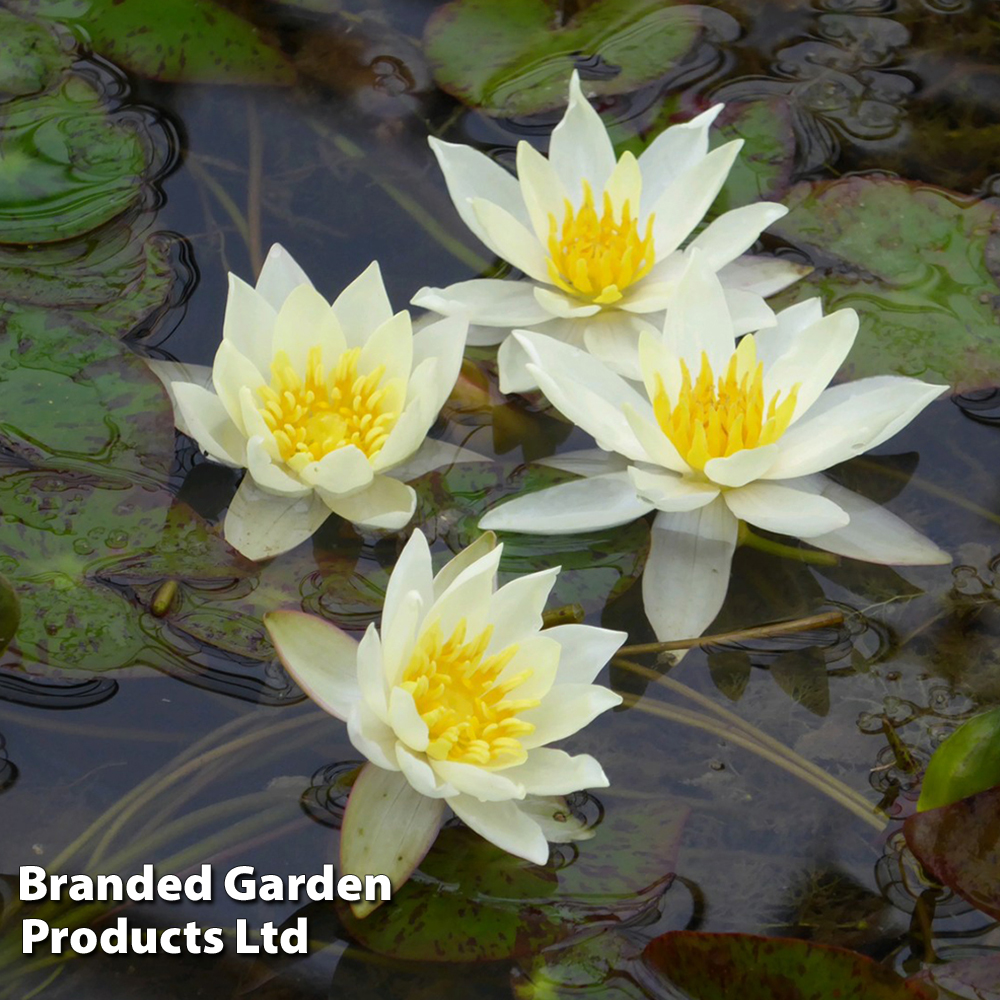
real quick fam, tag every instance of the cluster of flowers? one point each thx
(706, 407)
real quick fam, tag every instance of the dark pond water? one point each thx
(324, 149)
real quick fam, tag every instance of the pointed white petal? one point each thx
(387, 829)
(363, 306)
(199, 413)
(557, 303)
(511, 240)
(261, 525)
(555, 772)
(580, 149)
(272, 477)
(371, 673)
(747, 311)
(412, 572)
(320, 657)
(486, 301)
(587, 462)
(444, 341)
(340, 473)
(624, 186)
(477, 782)
(406, 721)
(410, 429)
(658, 447)
(505, 825)
(576, 706)
(581, 505)
(279, 276)
(467, 596)
(781, 338)
(536, 662)
(666, 491)
(731, 233)
(372, 737)
(613, 338)
(541, 189)
(516, 608)
(585, 651)
(391, 346)
(297, 328)
(386, 503)
(231, 371)
(421, 775)
(249, 324)
(400, 635)
(764, 275)
(742, 467)
(432, 455)
(177, 371)
(785, 511)
(687, 570)
(460, 562)
(469, 174)
(647, 296)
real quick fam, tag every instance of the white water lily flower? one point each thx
(453, 701)
(600, 241)
(327, 407)
(723, 433)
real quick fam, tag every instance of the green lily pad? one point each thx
(596, 566)
(31, 56)
(959, 844)
(10, 612)
(603, 963)
(183, 41)
(66, 164)
(967, 762)
(721, 966)
(913, 260)
(469, 901)
(514, 57)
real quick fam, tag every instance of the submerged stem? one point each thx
(814, 557)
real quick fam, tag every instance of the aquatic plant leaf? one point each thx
(721, 966)
(470, 901)
(958, 978)
(596, 566)
(183, 41)
(31, 55)
(801, 674)
(959, 844)
(967, 762)
(10, 612)
(512, 57)
(67, 165)
(912, 259)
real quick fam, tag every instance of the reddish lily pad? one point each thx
(979, 975)
(959, 844)
(723, 966)
(913, 260)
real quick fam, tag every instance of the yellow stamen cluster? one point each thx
(715, 419)
(598, 256)
(458, 694)
(313, 416)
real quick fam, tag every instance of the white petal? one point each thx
(391, 345)
(386, 503)
(555, 772)
(363, 306)
(624, 186)
(537, 657)
(648, 296)
(580, 149)
(279, 276)
(698, 319)
(400, 635)
(486, 301)
(541, 189)
(297, 328)
(261, 525)
(177, 371)
(444, 341)
(687, 570)
(460, 562)
(742, 467)
(477, 782)
(270, 476)
(320, 657)
(505, 825)
(666, 491)
(613, 338)
(674, 151)
(785, 511)
(781, 338)
(874, 534)
(387, 829)
(516, 608)
(747, 311)
(581, 505)
(342, 472)
(410, 430)
(412, 572)
(764, 275)
(200, 414)
(557, 303)
(576, 706)
(731, 233)
(469, 174)
(421, 775)
(660, 450)
(467, 596)
(406, 721)
(684, 203)
(249, 324)
(511, 240)
(432, 455)
(231, 372)
(848, 420)
(586, 462)
(371, 673)
(585, 651)
(372, 737)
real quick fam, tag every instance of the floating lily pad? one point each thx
(581, 968)
(31, 56)
(66, 165)
(913, 260)
(721, 966)
(190, 41)
(597, 566)
(967, 762)
(959, 844)
(472, 902)
(514, 57)
(981, 976)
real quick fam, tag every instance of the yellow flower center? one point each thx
(598, 256)
(716, 418)
(459, 695)
(313, 416)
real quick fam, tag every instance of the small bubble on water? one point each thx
(116, 539)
